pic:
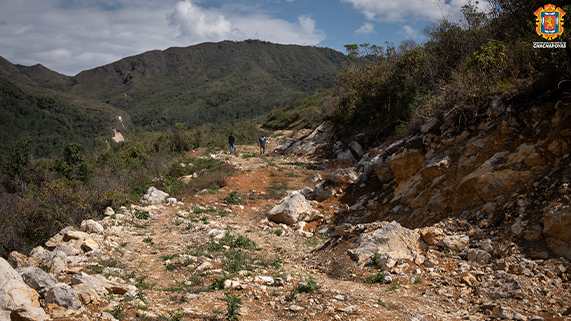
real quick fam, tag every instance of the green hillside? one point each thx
(49, 119)
(210, 82)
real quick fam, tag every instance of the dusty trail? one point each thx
(162, 256)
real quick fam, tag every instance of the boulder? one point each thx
(18, 260)
(20, 302)
(455, 243)
(432, 235)
(91, 227)
(292, 209)
(109, 211)
(392, 238)
(479, 256)
(153, 196)
(17, 300)
(89, 245)
(347, 156)
(356, 148)
(64, 296)
(38, 279)
(323, 192)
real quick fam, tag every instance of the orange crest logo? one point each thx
(549, 21)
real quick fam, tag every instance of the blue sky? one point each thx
(69, 36)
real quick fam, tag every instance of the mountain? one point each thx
(37, 75)
(210, 82)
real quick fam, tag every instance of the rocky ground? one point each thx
(298, 237)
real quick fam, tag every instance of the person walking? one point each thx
(231, 141)
(262, 143)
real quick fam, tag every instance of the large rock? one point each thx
(17, 300)
(346, 156)
(38, 279)
(392, 238)
(318, 139)
(556, 227)
(92, 227)
(323, 191)
(64, 296)
(292, 209)
(406, 163)
(455, 243)
(153, 197)
(432, 235)
(356, 148)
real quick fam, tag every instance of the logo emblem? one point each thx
(549, 21)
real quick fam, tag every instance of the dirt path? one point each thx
(178, 260)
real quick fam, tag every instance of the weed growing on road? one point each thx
(233, 306)
(310, 286)
(376, 278)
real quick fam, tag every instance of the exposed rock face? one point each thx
(153, 197)
(557, 231)
(392, 238)
(406, 164)
(317, 140)
(292, 209)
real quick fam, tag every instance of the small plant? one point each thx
(123, 244)
(278, 232)
(233, 306)
(417, 280)
(310, 286)
(394, 286)
(376, 258)
(117, 312)
(383, 304)
(292, 295)
(233, 198)
(168, 257)
(376, 278)
(292, 175)
(172, 266)
(219, 284)
(148, 240)
(142, 215)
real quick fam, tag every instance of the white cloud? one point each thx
(69, 36)
(410, 32)
(366, 28)
(395, 11)
(199, 24)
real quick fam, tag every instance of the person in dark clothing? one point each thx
(231, 141)
(262, 144)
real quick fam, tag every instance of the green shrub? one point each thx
(233, 306)
(310, 286)
(376, 278)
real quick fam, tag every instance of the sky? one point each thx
(69, 36)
